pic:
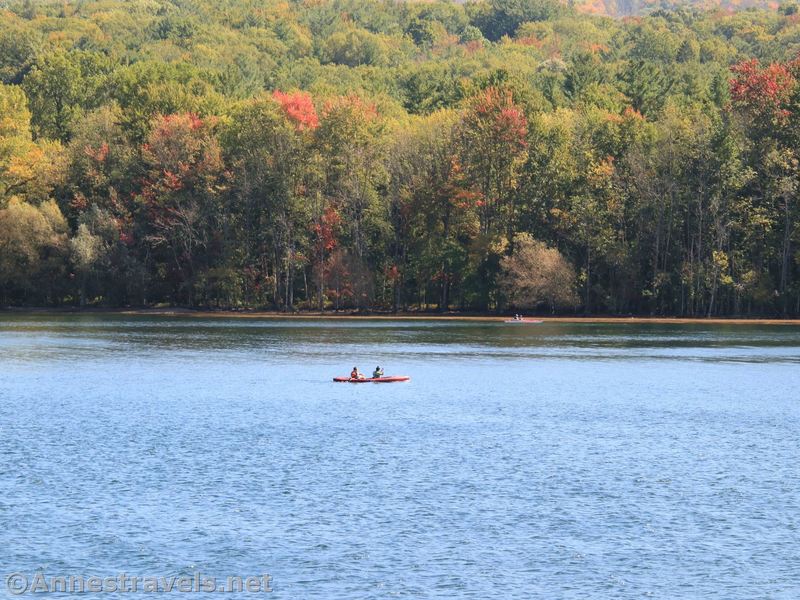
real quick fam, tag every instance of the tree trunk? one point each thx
(587, 306)
(785, 254)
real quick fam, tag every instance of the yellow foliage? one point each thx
(35, 171)
(26, 233)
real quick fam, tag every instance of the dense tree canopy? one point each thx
(367, 154)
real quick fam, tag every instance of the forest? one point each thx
(496, 155)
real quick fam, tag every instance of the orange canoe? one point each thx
(389, 379)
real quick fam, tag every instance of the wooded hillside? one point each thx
(355, 154)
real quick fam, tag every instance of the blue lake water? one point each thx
(553, 460)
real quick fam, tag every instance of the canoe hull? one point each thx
(390, 379)
(523, 321)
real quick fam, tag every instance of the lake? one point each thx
(553, 460)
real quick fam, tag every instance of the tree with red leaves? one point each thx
(493, 145)
(179, 194)
(325, 242)
(492, 149)
(764, 93)
(350, 147)
(768, 98)
(299, 108)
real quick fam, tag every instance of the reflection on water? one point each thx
(81, 336)
(576, 460)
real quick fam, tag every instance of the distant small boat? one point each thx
(388, 379)
(529, 321)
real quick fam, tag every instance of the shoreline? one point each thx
(312, 315)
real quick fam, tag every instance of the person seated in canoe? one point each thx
(377, 373)
(356, 374)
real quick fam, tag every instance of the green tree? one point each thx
(60, 87)
(503, 17)
(273, 179)
(353, 47)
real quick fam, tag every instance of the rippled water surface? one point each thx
(553, 460)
